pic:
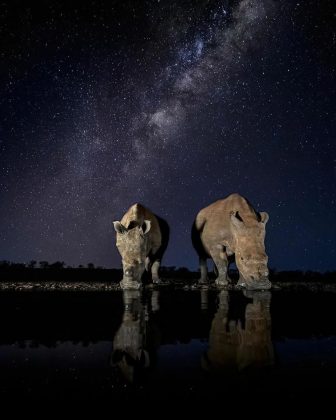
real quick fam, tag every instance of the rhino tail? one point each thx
(199, 222)
(196, 230)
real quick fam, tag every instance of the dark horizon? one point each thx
(171, 104)
(57, 266)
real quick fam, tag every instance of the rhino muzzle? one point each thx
(134, 271)
(129, 272)
(254, 282)
(262, 273)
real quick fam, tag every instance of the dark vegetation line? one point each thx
(59, 271)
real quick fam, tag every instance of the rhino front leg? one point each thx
(147, 264)
(221, 263)
(155, 272)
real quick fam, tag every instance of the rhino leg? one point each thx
(147, 264)
(221, 262)
(204, 271)
(155, 303)
(155, 271)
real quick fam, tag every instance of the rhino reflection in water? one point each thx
(233, 346)
(136, 339)
(231, 228)
(141, 239)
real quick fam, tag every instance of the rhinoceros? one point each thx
(236, 345)
(230, 228)
(138, 337)
(141, 239)
(129, 343)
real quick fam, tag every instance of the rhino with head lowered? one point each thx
(141, 239)
(232, 228)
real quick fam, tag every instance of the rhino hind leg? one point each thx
(204, 272)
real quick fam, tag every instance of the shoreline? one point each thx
(186, 285)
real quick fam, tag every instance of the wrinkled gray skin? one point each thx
(138, 240)
(232, 228)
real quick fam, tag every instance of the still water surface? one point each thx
(168, 345)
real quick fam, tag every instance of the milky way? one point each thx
(198, 83)
(171, 104)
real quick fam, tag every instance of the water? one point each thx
(174, 346)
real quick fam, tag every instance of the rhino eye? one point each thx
(242, 258)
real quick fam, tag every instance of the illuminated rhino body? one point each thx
(141, 239)
(235, 345)
(232, 228)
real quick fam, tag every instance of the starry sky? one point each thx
(173, 104)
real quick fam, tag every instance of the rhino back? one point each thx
(138, 214)
(165, 232)
(213, 223)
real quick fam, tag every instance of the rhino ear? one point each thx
(118, 227)
(146, 226)
(264, 217)
(236, 219)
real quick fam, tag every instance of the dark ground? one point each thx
(56, 277)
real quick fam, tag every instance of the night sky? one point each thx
(173, 104)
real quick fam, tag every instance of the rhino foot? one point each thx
(203, 281)
(160, 282)
(127, 284)
(241, 282)
(221, 282)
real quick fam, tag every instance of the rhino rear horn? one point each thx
(264, 217)
(146, 226)
(118, 227)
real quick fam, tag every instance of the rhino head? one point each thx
(132, 246)
(249, 246)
